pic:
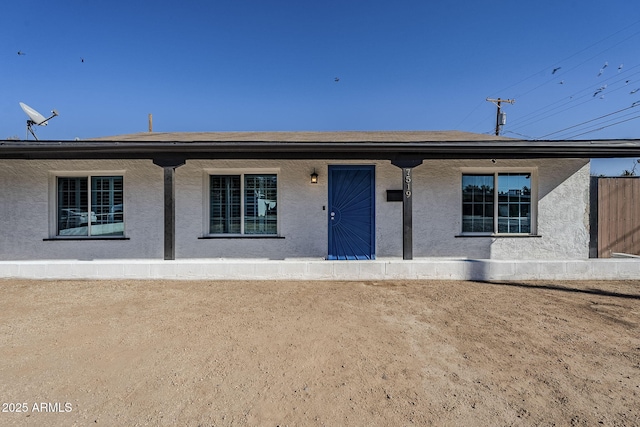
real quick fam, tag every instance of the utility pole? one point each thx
(501, 119)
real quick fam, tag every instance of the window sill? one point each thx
(242, 236)
(76, 239)
(500, 236)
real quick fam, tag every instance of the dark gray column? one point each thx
(169, 166)
(407, 214)
(169, 213)
(407, 166)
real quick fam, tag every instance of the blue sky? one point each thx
(271, 65)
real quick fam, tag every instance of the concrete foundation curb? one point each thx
(318, 269)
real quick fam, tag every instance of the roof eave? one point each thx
(365, 150)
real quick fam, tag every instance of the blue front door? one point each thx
(351, 212)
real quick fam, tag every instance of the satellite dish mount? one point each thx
(35, 118)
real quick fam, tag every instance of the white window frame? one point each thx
(533, 227)
(53, 201)
(241, 172)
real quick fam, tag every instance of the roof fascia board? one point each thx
(319, 150)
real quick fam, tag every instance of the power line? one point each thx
(570, 134)
(582, 63)
(572, 98)
(575, 54)
(588, 121)
(593, 127)
(549, 112)
(519, 134)
(563, 104)
(603, 127)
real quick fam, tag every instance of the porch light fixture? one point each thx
(314, 177)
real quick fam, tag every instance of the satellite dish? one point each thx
(35, 118)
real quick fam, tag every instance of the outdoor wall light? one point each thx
(314, 177)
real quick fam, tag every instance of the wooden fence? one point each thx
(615, 216)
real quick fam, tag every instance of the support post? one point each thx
(407, 166)
(407, 214)
(169, 166)
(169, 213)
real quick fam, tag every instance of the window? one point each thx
(89, 206)
(507, 211)
(243, 204)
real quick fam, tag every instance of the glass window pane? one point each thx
(477, 203)
(73, 216)
(260, 209)
(224, 201)
(95, 210)
(514, 206)
(107, 206)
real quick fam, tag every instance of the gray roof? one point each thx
(295, 136)
(400, 147)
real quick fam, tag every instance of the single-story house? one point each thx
(312, 196)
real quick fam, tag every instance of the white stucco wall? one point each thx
(563, 194)
(562, 217)
(302, 221)
(25, 207)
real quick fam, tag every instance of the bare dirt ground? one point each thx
(395, 353)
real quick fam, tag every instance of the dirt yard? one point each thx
(319, 353)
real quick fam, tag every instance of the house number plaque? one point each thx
(407, 182)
